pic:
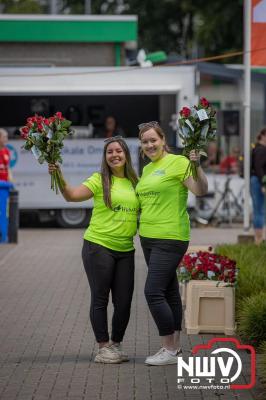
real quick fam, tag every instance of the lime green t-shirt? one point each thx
(114, 228)
(163, 199)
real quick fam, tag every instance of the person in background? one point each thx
(108, 249)
(164, 232)
(211, 163)
(230, 163)
(5, 173)
(110, 129)
(258, 185)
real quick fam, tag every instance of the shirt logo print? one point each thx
(159, 172)
(125, 209)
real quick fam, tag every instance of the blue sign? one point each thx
(13, 155)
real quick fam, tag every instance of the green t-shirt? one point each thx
(163, 199)
(114, 228)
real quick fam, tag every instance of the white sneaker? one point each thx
(162, 357)
(118, 348)
(107, 355)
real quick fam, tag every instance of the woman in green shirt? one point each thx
(108, 250)
(164, 232)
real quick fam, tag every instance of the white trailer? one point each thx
(80, 159)
(172, 86)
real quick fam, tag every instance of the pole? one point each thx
(53, 6)
(13, 216)
(87, 6)
(246, 104)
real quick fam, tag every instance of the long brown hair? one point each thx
(106, 171)
(157, 128)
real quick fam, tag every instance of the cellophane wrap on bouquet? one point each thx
(197, 127)
(44, 137)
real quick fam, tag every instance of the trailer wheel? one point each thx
(73, 217)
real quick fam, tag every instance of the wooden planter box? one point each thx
(209, 308)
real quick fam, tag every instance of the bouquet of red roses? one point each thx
(204, 265)
(197, 127)
(44, 137)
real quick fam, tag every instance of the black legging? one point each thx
(109, 270)
(161, 289)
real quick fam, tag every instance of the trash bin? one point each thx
(4, 196)
(13, 216)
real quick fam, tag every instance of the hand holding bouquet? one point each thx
(197, 127)
(44, 137)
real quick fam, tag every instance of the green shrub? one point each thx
(250, 260)
(252, 319)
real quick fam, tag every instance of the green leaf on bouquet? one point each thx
(27, 146)
(59, 135)
(213, 124)
(41, 159)
(65, 123)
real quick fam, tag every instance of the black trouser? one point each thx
(107, 270)
(161, 289)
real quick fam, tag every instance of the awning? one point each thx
(92, 81)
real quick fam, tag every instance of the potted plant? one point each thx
(209, 281)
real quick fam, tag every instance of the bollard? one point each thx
(4, 194)
(13, 216)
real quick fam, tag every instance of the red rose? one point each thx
(204, 102)
(185, 112)
(51, 119)
(24, 132)
(46, 121)
(58, 115)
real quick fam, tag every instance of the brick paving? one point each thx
(47, 344)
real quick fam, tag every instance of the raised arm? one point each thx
(198, 187)
(70, 193)
(9, 175)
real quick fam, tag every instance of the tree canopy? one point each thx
(21, 7)
(188, 28)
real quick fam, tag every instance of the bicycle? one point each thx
(220, 206)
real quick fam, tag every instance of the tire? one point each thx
(73, 217)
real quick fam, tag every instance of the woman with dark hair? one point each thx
(257, 186)
(164, 232)
(111, 128)
(108, 250)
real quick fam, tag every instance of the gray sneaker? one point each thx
(118, 349)
(107, 355)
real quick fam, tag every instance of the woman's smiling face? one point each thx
(115, 156)
(152, 145)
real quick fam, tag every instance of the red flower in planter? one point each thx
(204, 265)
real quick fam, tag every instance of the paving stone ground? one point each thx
(46, 342)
